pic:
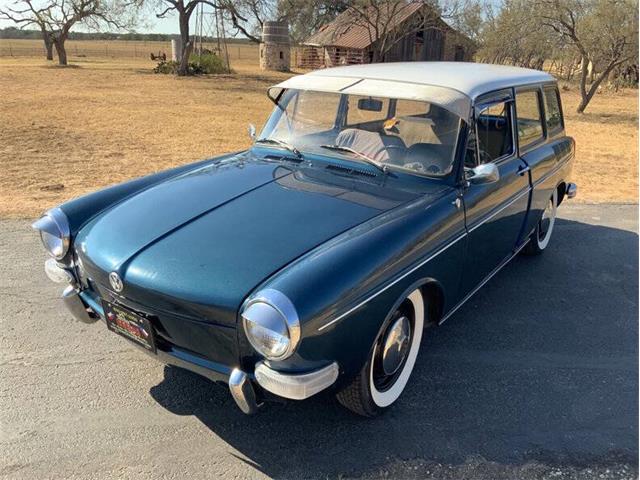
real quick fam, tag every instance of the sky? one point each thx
(167, 25)
(155, 25)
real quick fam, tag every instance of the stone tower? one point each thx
(275, 50)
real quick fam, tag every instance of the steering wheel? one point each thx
(396, 153)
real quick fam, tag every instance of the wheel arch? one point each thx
(562, 189)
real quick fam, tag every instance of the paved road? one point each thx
(535, 377)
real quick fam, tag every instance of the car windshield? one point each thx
(415, 136)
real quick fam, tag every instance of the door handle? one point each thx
(523, 170)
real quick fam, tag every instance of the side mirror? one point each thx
(252, 131)
(485, 173)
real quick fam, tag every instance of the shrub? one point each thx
(207, 63)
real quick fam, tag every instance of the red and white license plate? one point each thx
(130, 325)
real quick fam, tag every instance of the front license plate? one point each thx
(130, 325)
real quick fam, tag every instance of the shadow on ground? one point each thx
(540, 366)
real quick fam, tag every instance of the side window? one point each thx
(494, 137)
(529, 118)
(552, 112)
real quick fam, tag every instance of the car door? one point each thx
(495, 211)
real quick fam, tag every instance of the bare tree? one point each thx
(22, 17)
(56, 18)
(603, 32)
(248, 16)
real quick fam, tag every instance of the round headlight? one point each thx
(271, 324)
(54, 232)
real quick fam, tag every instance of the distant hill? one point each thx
(16, 33)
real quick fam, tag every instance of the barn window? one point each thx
(281, 55)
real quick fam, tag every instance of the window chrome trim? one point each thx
(391, 284)
(509, 102)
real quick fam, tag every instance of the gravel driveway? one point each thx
(535, 377)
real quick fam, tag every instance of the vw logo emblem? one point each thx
(115, 281)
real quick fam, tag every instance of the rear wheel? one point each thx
(542, 234)
(386, 373)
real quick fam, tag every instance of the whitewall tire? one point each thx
(541, 236)
(393, 356)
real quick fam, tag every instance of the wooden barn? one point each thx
(399, 32)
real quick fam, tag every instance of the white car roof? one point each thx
(452, 85)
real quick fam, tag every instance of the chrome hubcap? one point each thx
(396, 345)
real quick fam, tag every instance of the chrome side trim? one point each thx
(500, 209)
(481, 284)
(383, 289)
(548, 174)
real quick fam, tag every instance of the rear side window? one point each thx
(529, 118)
(552, 111)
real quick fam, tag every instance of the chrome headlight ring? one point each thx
(271, 324)
(54, 232)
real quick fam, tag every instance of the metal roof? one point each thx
(452, 85)
(348, 30)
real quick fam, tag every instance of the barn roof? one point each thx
(349, 31)
(452, 85)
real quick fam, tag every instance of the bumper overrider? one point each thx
(244, 386)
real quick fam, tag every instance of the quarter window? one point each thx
(552, 112)
(529, 118)
(494, 134)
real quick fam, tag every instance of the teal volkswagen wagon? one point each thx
(375, 201)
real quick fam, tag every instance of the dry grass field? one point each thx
(67, 131)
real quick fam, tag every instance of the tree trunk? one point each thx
(187, 46)
(48, 45)
(593, 88)
(61, 50)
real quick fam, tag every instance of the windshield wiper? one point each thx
(383, 168)
(281, 143)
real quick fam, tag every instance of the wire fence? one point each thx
(119, 49)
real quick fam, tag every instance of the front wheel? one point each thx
(542, 234)
(386, 373)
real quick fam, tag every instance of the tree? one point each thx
(514, 36)
(56, 18)
(306, 16)
(604, 33)
(242, 13)
(18, 16)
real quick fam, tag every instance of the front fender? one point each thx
(344, 289)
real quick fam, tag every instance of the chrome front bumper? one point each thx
(299, 386)
(572, 190)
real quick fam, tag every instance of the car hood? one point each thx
(198, 243)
